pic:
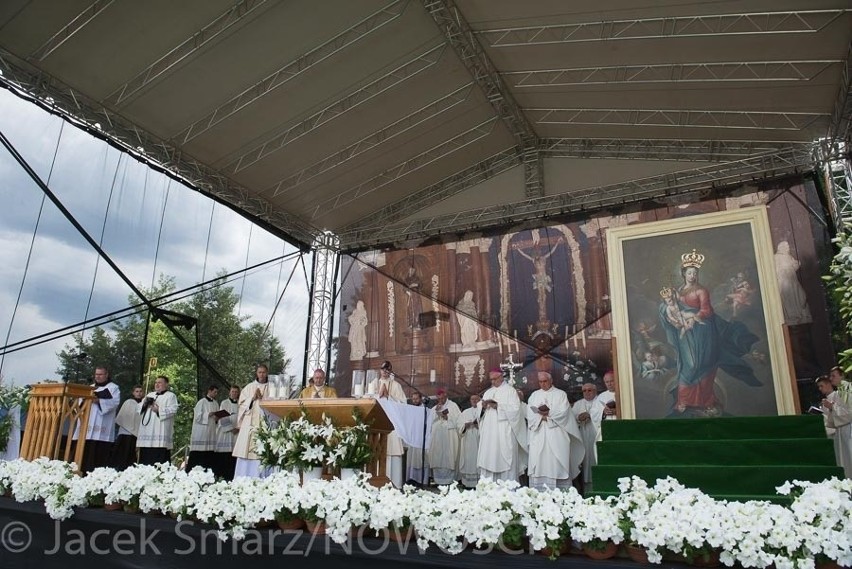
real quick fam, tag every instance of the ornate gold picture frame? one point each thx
(697, 318)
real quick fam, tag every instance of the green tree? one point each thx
(226, 341)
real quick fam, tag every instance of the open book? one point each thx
(103, 394)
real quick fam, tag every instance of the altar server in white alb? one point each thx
(249, 417)
(556, 448)
(589, 412)
(837, 408)
(202, 441)
(469, 442)
(387, 387)
(444, 445)
(499, 444)
(416, 473)
(100, 431)
(226, 435)
(128, 420)
(157, 427)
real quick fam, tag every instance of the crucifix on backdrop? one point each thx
(511, 367)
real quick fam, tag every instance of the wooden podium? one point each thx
(341, 412)
(53, 408)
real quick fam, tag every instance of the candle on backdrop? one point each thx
(433, 376)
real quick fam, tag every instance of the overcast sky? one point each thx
(112, 194)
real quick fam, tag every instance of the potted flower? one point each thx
(350, 449)
(596, 527)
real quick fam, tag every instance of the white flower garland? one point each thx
(665, 517)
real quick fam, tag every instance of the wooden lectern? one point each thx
(56, 410)
(341, 412)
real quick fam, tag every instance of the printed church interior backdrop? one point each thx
(444, 314)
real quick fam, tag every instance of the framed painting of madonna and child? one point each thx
(698, 319)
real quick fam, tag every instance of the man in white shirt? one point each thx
(226, 434)
(555, 446)
(468, 427)
(128, 420)
(100, 431)
(157, 426)
(444, 446)
(416, 472)
(202, 441)
(589, 412)
(249, 418)
(837, 407)
(386, 387)
(498, 441)
(607, 398)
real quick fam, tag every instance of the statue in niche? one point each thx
(793, 298)
(469, 327)
(358, 332)
(413, 287)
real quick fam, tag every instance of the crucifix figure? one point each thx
(541, 250)
(511, 367)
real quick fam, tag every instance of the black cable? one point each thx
(32, 246)
(101, 242)
(133, 310)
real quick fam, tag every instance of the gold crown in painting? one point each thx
(667, 292)
(694, 259)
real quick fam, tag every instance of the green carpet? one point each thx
(742, 458)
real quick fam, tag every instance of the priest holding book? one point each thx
(100, 431)
(556, 448)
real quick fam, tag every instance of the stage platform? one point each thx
(97, 539)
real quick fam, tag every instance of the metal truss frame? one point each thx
(666, 186)
(804, 21)
(466, 138)
(407, 70)
(225, 21)
(60, 99)
(759, 120)
(841, 118)
(325, 249)
(462, 38)
(374, 22)
(742, 71)
(374, 139)
(658, 149)
(67, 32)
(492, 166)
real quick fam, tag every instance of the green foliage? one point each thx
(230, 345)
(839, 281)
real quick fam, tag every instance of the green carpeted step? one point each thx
(783, 427)
(774, 498)
(713, 480)
(723, 452)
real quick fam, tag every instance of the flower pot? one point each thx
(113, 506)
(637, 553)
(131, 509)
(314, 473)
(828, 565)
(563, 548)
(315, 528)
(711, 559)
(290, 524)
(609, 550)
(347, 473)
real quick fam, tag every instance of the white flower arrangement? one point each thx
(663, 518)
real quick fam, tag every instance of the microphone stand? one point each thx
(423, 475)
